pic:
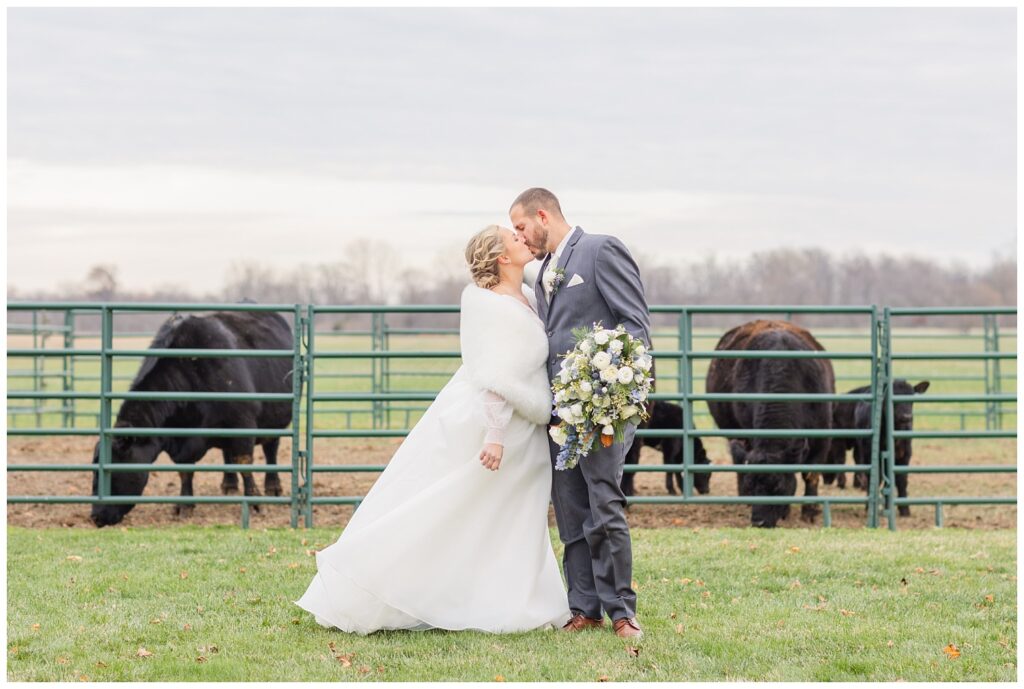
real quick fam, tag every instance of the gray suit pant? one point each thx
(590, 512)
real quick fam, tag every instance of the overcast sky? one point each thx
(173, 142)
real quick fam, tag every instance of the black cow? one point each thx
(665, 415)
(858, 415)
(221, 330)
(813, 376)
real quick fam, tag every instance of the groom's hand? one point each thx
(490, 456)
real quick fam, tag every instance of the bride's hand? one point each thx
(490, 456)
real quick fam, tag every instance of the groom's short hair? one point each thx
(537, 197)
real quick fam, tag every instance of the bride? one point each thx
(454, 533)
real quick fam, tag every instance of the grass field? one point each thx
(215, 603)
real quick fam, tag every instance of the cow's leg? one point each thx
(241, 453)
(182, 510)
(817, 452)
(229, 484)
(901, 491)
(809, 511)
(272, 481)
(672, 453)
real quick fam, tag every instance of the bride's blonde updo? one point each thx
(482, 254)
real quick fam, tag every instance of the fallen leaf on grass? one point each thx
(951, 651)
(499, 678)
(846, 613)
(74, 558)
(100, 663)
(143, 653)
(243, 570)
(293, 565)
(156, 620)
(678, 522)
(684, 581)
(679, 629)
(890, 643)
(183, 574)
(602, 678)
(672, 615)
(35, 627)
(187, 627)
(633, 651)
(794, 549)
(919, 570)
(705, 594)
(990, 598)
(201, 659)
(795, 585)
(363, 669)
(344, 658)
(61, 660)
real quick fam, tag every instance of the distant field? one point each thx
(429, 375)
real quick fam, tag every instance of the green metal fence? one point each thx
(386, 397)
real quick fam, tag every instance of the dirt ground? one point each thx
(68, 450)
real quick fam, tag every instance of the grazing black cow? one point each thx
(813, 376)
(665, 415)
(221, 330)
(857, 415)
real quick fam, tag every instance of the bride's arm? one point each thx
(498, 413)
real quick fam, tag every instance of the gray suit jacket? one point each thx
(611, 292)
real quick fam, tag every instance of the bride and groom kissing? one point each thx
(454, 533)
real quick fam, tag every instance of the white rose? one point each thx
(610, 374)
(564, 376)
(585, 386)
(640, 350)
(565, 414)
(625, 374)
(601, 360)
(600, 400)
(601, 337)
(577, 410)
(608, 430)
(586, 347)
(558, 434)
(604, 420)
(560, 396)
(638, 378)
(645, 363)
(616, 346)
(629, 411)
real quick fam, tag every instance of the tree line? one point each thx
(371, 272)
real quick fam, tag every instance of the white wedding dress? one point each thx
(440, 541)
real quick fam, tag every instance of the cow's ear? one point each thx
(921, 387)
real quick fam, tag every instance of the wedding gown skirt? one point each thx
(442, 542)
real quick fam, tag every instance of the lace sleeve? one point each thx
(498, 413)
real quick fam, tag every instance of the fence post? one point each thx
(376, 338)
(890, 442)
(298, 374)
(106, 380)
(686, 388)
(67, 363)
(307, 488)
(37, 383)
(997, 375)
(878, 381)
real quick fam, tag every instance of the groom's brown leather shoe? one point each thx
(628, 628)
(580, 621)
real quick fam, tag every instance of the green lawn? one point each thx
(215, 603)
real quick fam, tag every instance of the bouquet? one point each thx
(602, 385)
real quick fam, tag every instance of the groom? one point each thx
(587, 278)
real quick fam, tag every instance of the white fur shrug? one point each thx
(505, 350)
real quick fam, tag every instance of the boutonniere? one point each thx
(554, 279)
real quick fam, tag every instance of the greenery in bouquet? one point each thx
(601, 387)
